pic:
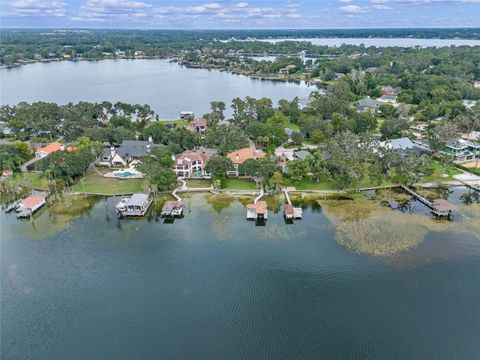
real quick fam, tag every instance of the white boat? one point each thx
(122, 205)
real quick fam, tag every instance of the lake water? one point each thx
(382, 42)
(167, 87)
(213, 285)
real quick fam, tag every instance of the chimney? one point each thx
(150, 139)
(112, 151)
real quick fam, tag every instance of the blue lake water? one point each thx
(382, 42)
(167, 87)
(213, 285)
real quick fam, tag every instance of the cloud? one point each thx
(98, 10)
(354, 9)
(345, 1)
(241, 5)
(35, 8)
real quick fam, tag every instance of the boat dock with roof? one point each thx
(258, 210)
(29, 206)
(439, 207)
(136, 205)
(290, 212)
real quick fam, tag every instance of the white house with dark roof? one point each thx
(128, 151)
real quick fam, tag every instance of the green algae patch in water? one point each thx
(219, 202)
(58, 216)
(365, 227)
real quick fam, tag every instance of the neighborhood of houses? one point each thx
(122, 158)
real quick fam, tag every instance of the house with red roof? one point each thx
(49, 149)
(240, 156)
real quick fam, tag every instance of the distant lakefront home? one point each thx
(49, 149)
(128, 151)
(191, 163)
(240, 156)
(368, 103)
(463, 150)
(198, 125)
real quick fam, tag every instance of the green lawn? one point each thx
(34, 180)
(439, 170)
(312, 185)
(180, 123)
(199, 183)
(96, 184)
(238, 184)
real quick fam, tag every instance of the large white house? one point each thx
(191, 163)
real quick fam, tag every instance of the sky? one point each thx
(248, 14)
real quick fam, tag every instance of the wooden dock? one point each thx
(439, 207)
(289, 211)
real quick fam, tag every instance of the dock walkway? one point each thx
(288, 209)
(439, 207)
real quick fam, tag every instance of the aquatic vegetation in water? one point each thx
(366, 227)
(390, 194)
(72, 206)
(348, 210)
(219, 202)
(379, 237)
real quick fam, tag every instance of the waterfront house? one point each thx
(128, 151)
(240, 156)
(463, 150)
(257, 210)
(286, 70)
(191, 163)
(198, 125)
(136, 205)
(49, 149)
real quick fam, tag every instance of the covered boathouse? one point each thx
(257, 210)
(136, 205)
(30, 205)
(172, 208)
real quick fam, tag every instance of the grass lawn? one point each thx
(312, 185)
(199, 183)
(97, 184)
(367, 183)
(35, 180)
(439, 170)
(238, 184)
(180, 123)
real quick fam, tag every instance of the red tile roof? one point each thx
(50, 148)
(32, 201)
(242, 155)
(260, 207)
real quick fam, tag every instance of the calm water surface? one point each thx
(382, 42)
(213, 285)
(167, 87)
